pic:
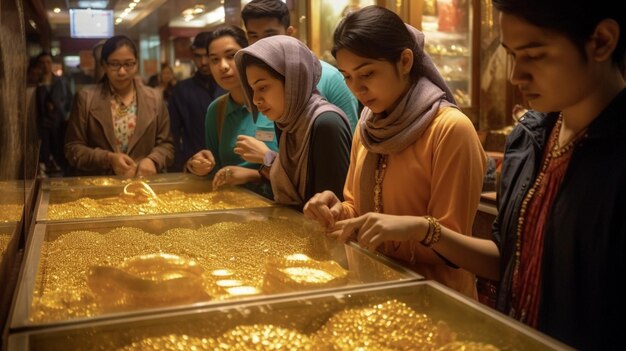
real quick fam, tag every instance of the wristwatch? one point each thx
(268, 160)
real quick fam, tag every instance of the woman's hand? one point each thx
(324, 207)
(122, 164)
(201, 163)
(234, 175)
(250, 149)
(372, 229)
(146, 167)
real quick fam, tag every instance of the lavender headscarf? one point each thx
(384, 134)
(303, 104)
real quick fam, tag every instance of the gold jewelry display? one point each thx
(148, 281)
(172, 342)
(262, 337)
(391, 325)
(142, 202)
(4, 243)
(10, 213)
(232, 255)
(300, 272)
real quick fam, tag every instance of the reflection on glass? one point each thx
(330, 13)
(13, 115)
(5, 237)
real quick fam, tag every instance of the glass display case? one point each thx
(11, 212)
(416, 316)
(77, 271)
(451, 38)
(446, 27)
(101, 197)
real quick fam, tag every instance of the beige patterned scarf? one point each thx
(303, 104)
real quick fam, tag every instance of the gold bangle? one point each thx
(431, 240)
(429, 233)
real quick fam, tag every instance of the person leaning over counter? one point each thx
(414, 152)
(119, 126)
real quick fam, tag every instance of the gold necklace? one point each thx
(378, 185)
(554, 153)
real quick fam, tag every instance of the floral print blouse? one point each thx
(124, 121)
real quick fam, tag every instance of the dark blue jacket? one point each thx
(187, 108)
(584, 257)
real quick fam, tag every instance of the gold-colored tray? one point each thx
(403, 316)
(88, 202)
(71, 266)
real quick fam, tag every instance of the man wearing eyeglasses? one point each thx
(189, 102)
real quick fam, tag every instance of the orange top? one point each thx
(441, 175)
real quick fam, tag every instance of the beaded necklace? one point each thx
(378, 185)
(554, 153)
(378, 191)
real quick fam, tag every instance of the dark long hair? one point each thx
(576, 19)
(377, 33)
(113, 44)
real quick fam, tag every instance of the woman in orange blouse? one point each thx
(414, 152)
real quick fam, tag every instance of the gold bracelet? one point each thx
(431, 240)
(429, 233)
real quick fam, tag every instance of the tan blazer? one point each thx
(90, 135)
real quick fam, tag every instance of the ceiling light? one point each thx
(132, 5)
(56, 10)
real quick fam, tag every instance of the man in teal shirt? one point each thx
(265, 18)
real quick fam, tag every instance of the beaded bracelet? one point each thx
(434, 232)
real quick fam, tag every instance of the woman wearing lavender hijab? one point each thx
(416, 163)
(279, 75)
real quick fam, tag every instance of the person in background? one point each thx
(227, 116)
(167, 81)
(58, 101)
(45, 118)
(265, 18)
(414, 154)
(96, 51)
(279, 76)
(189, 102)
(119, 126)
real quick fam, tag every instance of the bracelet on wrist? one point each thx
(433, 234)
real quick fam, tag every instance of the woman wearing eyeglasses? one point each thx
(119, 126)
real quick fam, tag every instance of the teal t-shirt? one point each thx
(333, 87)
(237, 121)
